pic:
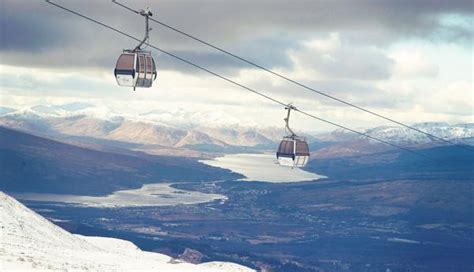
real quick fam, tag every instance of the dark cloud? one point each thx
(257, 51)
(34, 33)
(229, 21)
(360, 92)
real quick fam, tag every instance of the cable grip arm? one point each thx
(147, 14)
(289, 107)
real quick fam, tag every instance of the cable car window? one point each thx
(141, 64)
(125, 62)
(281, 147)
(302, 147)
(149, 65)
(287, 147)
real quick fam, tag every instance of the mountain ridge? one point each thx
(159, 136)
(30, 163)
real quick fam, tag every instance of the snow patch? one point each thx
(30, 242)
(402, 240)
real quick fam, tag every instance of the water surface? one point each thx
(159, 194)
(261, 167)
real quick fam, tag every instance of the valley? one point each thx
(311, 226)
(237, 136)
(377, 209)
(39, 165)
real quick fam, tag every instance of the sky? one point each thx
(409, 60)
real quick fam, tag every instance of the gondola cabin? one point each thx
(135, 69)
(293, 152)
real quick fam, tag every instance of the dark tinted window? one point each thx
(286, 147)
(125, 62)
(149, 65)
(302, 148)
(141, 64)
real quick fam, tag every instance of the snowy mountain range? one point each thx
(31, 242)
(84, 120)
(405, 135)
(179, 132)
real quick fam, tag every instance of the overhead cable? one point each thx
(234, 82)
(268, 70)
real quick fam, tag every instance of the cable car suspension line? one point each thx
(268, 70)
(287, 119)
(236, 83)
(147, 14)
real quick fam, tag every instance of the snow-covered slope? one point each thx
(149, 129)
(236, 135)
(405, 135)
(349, 144)
(30, 242)
(147, 133)
(194, 137)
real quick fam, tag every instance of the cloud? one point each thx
(351, 51)
(37, 34)
(456, 98)
(337, 59)
(413, 63)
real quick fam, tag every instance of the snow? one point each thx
(169, 126)
(406, 135)
(30, 242)
(402, 240)
(170, 117)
